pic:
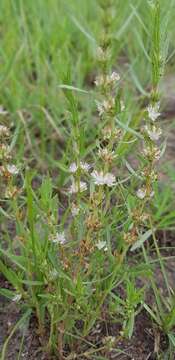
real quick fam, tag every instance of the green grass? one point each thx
(47, 71)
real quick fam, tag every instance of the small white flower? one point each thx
(141, 193)
(114, 77)
(153, 111)
(4, 131)
(83, 166)
(75, 210)
(75, 187)
(73, 167)
(103, 179)
(59, 238)
(12, 169)
(17, 298)
(98, 177)
(2, 111)
(101, 245)
(153, 132)
(110, 179)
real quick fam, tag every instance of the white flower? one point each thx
(12, 169)
(17, 298)
(4, 131)
(153, 111)
(153, 132)
(141, 193)
(73, 167)
(75, 210)
(103, 179)
(75, 187)
(102, 245)
(113, 77)
(83, 166)
(2, 111)
(98, 177)
(59, 238)
(110, 179)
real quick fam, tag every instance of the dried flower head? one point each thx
(130, 237)
(109, 132)
(153, 153)
(106, 106)
(11, 192)
(151, 174)
(107, 155)
(93, 222)
(4, 152)
(4, 131)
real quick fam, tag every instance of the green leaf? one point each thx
(10, 275)
(141, 240)
(171, 337)
(9, 294)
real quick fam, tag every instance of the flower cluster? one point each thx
(151, 151)
(7, 169)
